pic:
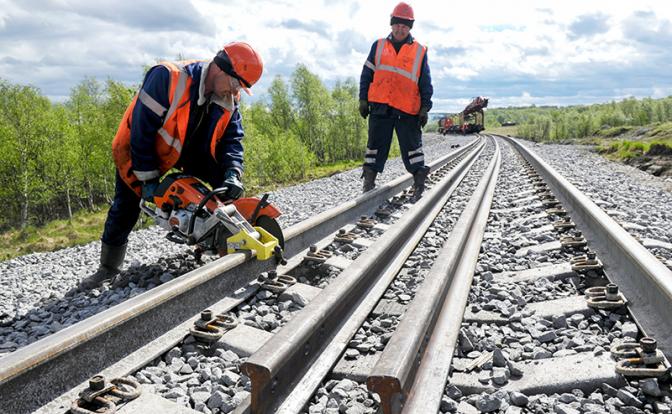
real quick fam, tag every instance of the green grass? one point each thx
(661, 131)
(503, 130)
(627, 142)
(329, 170)
(58, 234)
(86, 226)
(614, 131)
(627, 149)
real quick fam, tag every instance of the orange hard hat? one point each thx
(239, 60)
(403, 11)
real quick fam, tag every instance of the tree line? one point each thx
(547, 123)
(57, 158)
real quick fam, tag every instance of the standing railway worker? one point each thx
(395, 92)
(185, 116)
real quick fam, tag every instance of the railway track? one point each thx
(380, 306)
(507, 345)
(128, 336)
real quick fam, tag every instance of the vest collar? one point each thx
(409, 39)
(226, 102)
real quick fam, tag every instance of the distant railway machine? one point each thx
(471, 120)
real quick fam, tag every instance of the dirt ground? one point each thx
(658, 165)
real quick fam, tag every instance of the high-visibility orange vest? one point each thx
(395, 77)
(170, 137)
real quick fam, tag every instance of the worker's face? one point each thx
(400, 31)
(226, 84)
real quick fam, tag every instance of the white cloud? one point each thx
(516, 52)
(458, 72)
(659, 92)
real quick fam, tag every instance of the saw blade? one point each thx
(270, 225)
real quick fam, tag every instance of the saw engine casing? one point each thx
(177, 199)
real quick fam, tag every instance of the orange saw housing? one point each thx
(177, 191)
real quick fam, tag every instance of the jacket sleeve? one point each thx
(366, 77)
(230, 147)
(148, 115)
(425, 85)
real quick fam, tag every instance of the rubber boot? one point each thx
(369, 175)
(419, 178)
(111, 259)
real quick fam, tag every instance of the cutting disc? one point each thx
(271, 226)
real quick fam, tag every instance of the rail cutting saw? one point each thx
(194, 215)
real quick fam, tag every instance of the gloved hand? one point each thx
(233, 183)
(363, 108)
(422, 117)
(149, 188)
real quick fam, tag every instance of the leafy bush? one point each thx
(274, 158)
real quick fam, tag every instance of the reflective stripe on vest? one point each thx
(396, 76)
(151, 103)
(417, 61)
(177, 94)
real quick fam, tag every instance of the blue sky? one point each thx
(516, 52)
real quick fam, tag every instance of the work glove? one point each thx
(233, 183)
(363, 108)
(422, 117)
(149, 188)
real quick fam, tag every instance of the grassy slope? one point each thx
(623, 143)
(86, 226)
(502, 130)
(619, 143)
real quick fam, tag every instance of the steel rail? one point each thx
(426, 390)
(322, 365)
(277, 369)
(645, 280)
(34, 375)
(393, 375)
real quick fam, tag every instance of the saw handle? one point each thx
(174, 238)
(192, 219)
(262, 203)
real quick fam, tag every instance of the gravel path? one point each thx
(33, 301)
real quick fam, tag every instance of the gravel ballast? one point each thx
(639, 201)
(523, 335)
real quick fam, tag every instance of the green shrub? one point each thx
(275, 158)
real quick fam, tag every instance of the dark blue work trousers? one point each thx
(409, 135)
(125, 209)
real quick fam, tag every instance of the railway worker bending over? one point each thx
(395, 91)
(185, 116)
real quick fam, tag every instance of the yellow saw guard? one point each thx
(264, 247)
